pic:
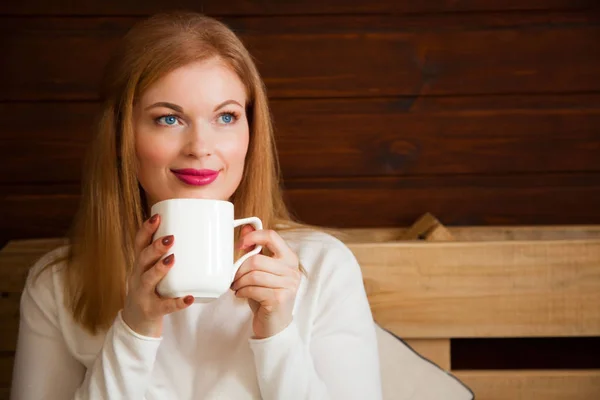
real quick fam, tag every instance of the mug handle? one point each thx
(257, 224)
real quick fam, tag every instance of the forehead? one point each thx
(196, 85)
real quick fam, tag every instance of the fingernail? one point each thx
(167, 240)
(188, 300)
(168, 259)
(154, 219)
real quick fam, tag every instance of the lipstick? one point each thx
(196, 177)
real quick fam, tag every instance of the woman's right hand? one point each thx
(144, 307)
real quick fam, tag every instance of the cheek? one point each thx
(235, 150)
(152, 154)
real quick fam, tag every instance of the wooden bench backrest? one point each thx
(430, 292)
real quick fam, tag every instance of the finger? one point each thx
(143, 237)
(271, 240)
(264, 279)
(264, 296)
(246, 229)
(169, 306)
(264, 263)
(152, 276)
(151, 254)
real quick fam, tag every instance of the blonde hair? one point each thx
(113, 206)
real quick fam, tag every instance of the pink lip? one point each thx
(196, 177)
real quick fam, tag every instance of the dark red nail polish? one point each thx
(188, 300)
(168, 259)
(167, 240)
(154, 219)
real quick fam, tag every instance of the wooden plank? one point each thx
(445, 289)
(434, 55)
(532, 385)
(47, 210)
(456, 200)
(477, 233)
(6, 366)
(9, 317)
(18, 256)
(275, 7)
(359, 137)
(435, 350)
(427, 227)
(546, 232)
(484, 289)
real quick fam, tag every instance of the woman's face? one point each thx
(191, 133)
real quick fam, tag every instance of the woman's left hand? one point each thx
(269, 283)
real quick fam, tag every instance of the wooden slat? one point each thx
(276, 7)
(9, 317)
(6, 366)
(18, 256)
(15, 260)
(46, 211)
(444, 289)
(455, 200)
(428, 227)
(435, 350)
(360, 137)
(484, 289)
(477, 233)
(532, 385)
(384, 55)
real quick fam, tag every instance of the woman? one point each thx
(182, 93)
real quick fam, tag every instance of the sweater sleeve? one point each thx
(341, 361)
(45, 368)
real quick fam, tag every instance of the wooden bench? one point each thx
(485, 283)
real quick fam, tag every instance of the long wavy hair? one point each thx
(113, 204)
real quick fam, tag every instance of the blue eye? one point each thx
(227, 118)
(168, 120)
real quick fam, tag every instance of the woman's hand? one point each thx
(144, 308)
(269, 283)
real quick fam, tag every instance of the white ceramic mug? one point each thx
(203, 246)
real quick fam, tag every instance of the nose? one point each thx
(198, 142)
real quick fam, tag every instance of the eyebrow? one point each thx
(172, 106)
(177, 108)
(227, 102)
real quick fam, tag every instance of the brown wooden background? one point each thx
(479, 111)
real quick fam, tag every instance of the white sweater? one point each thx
(206, 351)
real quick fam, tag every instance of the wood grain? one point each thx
(477, 233)
(484, 289)
(335, 56)
(532, 385)
(435, 350)
(457, 200)
(359, 137)
(276, 7)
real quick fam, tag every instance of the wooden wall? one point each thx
(479, 111)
